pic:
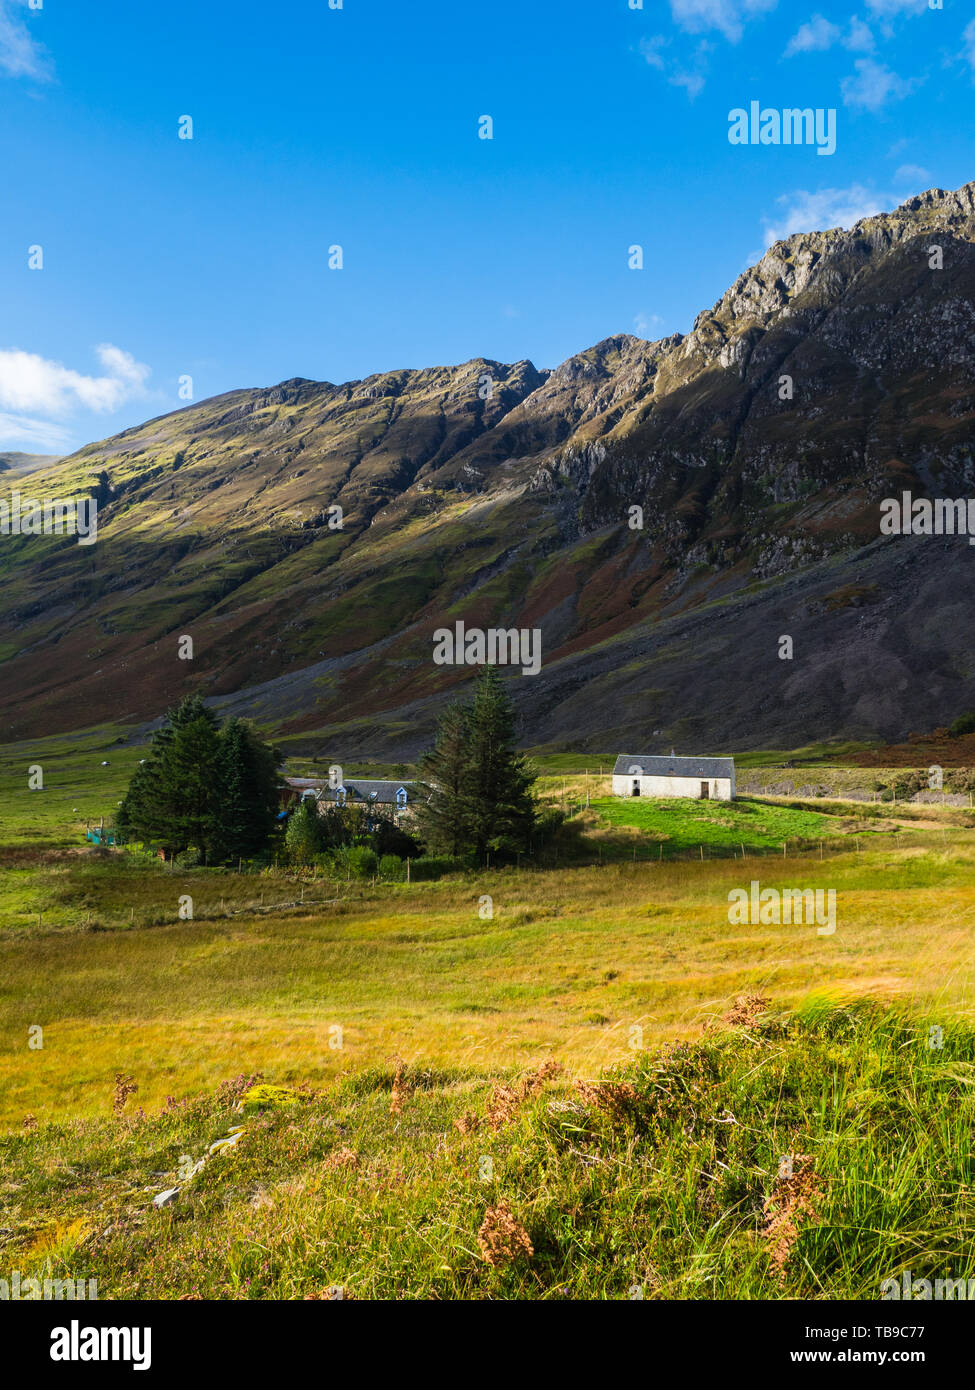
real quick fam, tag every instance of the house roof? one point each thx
(303, 783)
(656, 766)
(369, 789)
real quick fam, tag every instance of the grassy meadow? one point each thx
(545, 1058)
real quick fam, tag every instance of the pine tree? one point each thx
(476, 788)
(190, 785)
(247, 793)
(500, 806)
(442, 811)
(215, 790)
(153, 808)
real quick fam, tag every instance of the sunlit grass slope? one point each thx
(815, 1155)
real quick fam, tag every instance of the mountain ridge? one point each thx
(501, 493)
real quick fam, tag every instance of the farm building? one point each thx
(296, 789)
(390, 795)
(395, 796)
(704, 779)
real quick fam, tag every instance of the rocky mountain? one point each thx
(836, 372)
(14, 465)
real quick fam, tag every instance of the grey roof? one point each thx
(382, 792)
(656, 766)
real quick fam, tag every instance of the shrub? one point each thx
(391, 867)
(964, 724)
(435, 866)
(188, 859)
(354, 861)
(303, 837)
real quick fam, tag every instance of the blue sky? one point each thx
(313, 127)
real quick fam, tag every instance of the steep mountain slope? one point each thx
(14, 465)
(836, 372)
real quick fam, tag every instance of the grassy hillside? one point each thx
(716, 826)
(76, 787)
(811, 1155)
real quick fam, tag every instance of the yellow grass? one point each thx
(570, 963)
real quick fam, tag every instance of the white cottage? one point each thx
(707, 779)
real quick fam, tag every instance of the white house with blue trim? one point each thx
(369, 791)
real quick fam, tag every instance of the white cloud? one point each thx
(123, 367)
(968, 52)
(690, 75)
(645, 323)
(859, 39)
(692, 81)
(650, 48)
(20, 54)
(728, 16)
(30, 382)
(818, 35)
(886, 8)
(26, 435)
(803, 211)
(813, 37)
(912, 173)
(874, 86)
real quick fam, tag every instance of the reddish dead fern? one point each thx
(501, 1238)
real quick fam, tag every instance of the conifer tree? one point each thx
(154, 808)
(500, 806)
(215, 790)
(442, 812)
(248, 792)
(476, 788)
(191, 786)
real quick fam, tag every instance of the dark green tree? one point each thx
(202, 787)
(191, 787)
(441, 807)
(475, 795)
(500, 806)
(249, 792)
(341, 826)
(153, 808)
